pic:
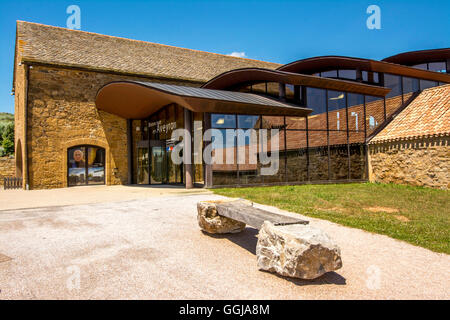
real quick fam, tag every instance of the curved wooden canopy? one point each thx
(257, 75)
(139, 100)
(420, 56)
(325, 63)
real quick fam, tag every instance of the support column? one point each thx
(130, 150)
(282, 91)
(208, 176)
(187, 151)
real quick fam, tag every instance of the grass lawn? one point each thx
(420, 216)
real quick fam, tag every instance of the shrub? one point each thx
(8, 139)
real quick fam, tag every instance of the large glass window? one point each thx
(347, 74)
(223, 121)
(357, 157)
(374, 113)
(278, 134)
(248, 164)
(437, 67)
(317, 101)
(330, 74)
(296, 156)
(337, 115)
(410, 85)
(247, 122)
(338, 155)
(425, 84)
(422, 66)
(355, 112)
(224, 151)
(394, 98)
(309, 148)
(295, 122)
(86, 165)
(318, 155)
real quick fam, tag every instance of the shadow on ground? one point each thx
(247, 239)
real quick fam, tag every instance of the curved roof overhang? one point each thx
(420, 56)
(238, 77)
(318, 64)
(139, 100)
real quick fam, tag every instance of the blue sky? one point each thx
(272, 30)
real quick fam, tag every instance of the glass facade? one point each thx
(394, 98)
(437, 66)
(327, 145)
(304, 154)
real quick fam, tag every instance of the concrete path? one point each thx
(20, 199)
(153, 249)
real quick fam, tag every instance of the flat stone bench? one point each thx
(245, 212)
(286, 245)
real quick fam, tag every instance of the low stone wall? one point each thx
(419, 162)
(7, 168)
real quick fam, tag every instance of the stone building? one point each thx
(414, 147)
(96, 109)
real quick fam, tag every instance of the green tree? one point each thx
(2, 129)
(8, 139)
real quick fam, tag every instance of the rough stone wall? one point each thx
(19, 115)
(61, 114)
(419, 162)
(7, 168)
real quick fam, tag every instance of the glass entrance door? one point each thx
(159, 167)
(142, 166)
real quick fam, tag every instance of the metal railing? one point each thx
(12, 183)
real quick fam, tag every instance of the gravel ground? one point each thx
(153, 249)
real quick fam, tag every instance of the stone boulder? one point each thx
(296, 250)
(209, 221)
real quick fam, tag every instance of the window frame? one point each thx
(86, 166)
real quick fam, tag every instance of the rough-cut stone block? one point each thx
(297, 250)
(210, 221)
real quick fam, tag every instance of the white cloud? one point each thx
(238, 54)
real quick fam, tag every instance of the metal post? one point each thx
(187, 152)
(348, 136)
(130, 150)
(208, 176)
(328, 136)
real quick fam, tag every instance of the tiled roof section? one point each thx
(64, 47)
(427, 115)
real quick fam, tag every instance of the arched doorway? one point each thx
(18, 157)
(85, 165)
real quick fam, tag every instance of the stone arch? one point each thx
(19, 161)
(87, 141)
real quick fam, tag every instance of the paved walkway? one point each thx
(152, 248)
(20, 199)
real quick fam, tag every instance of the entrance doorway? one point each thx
(158, 165)
(155, 165)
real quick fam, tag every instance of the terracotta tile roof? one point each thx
(64, 47)
(426, 116)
